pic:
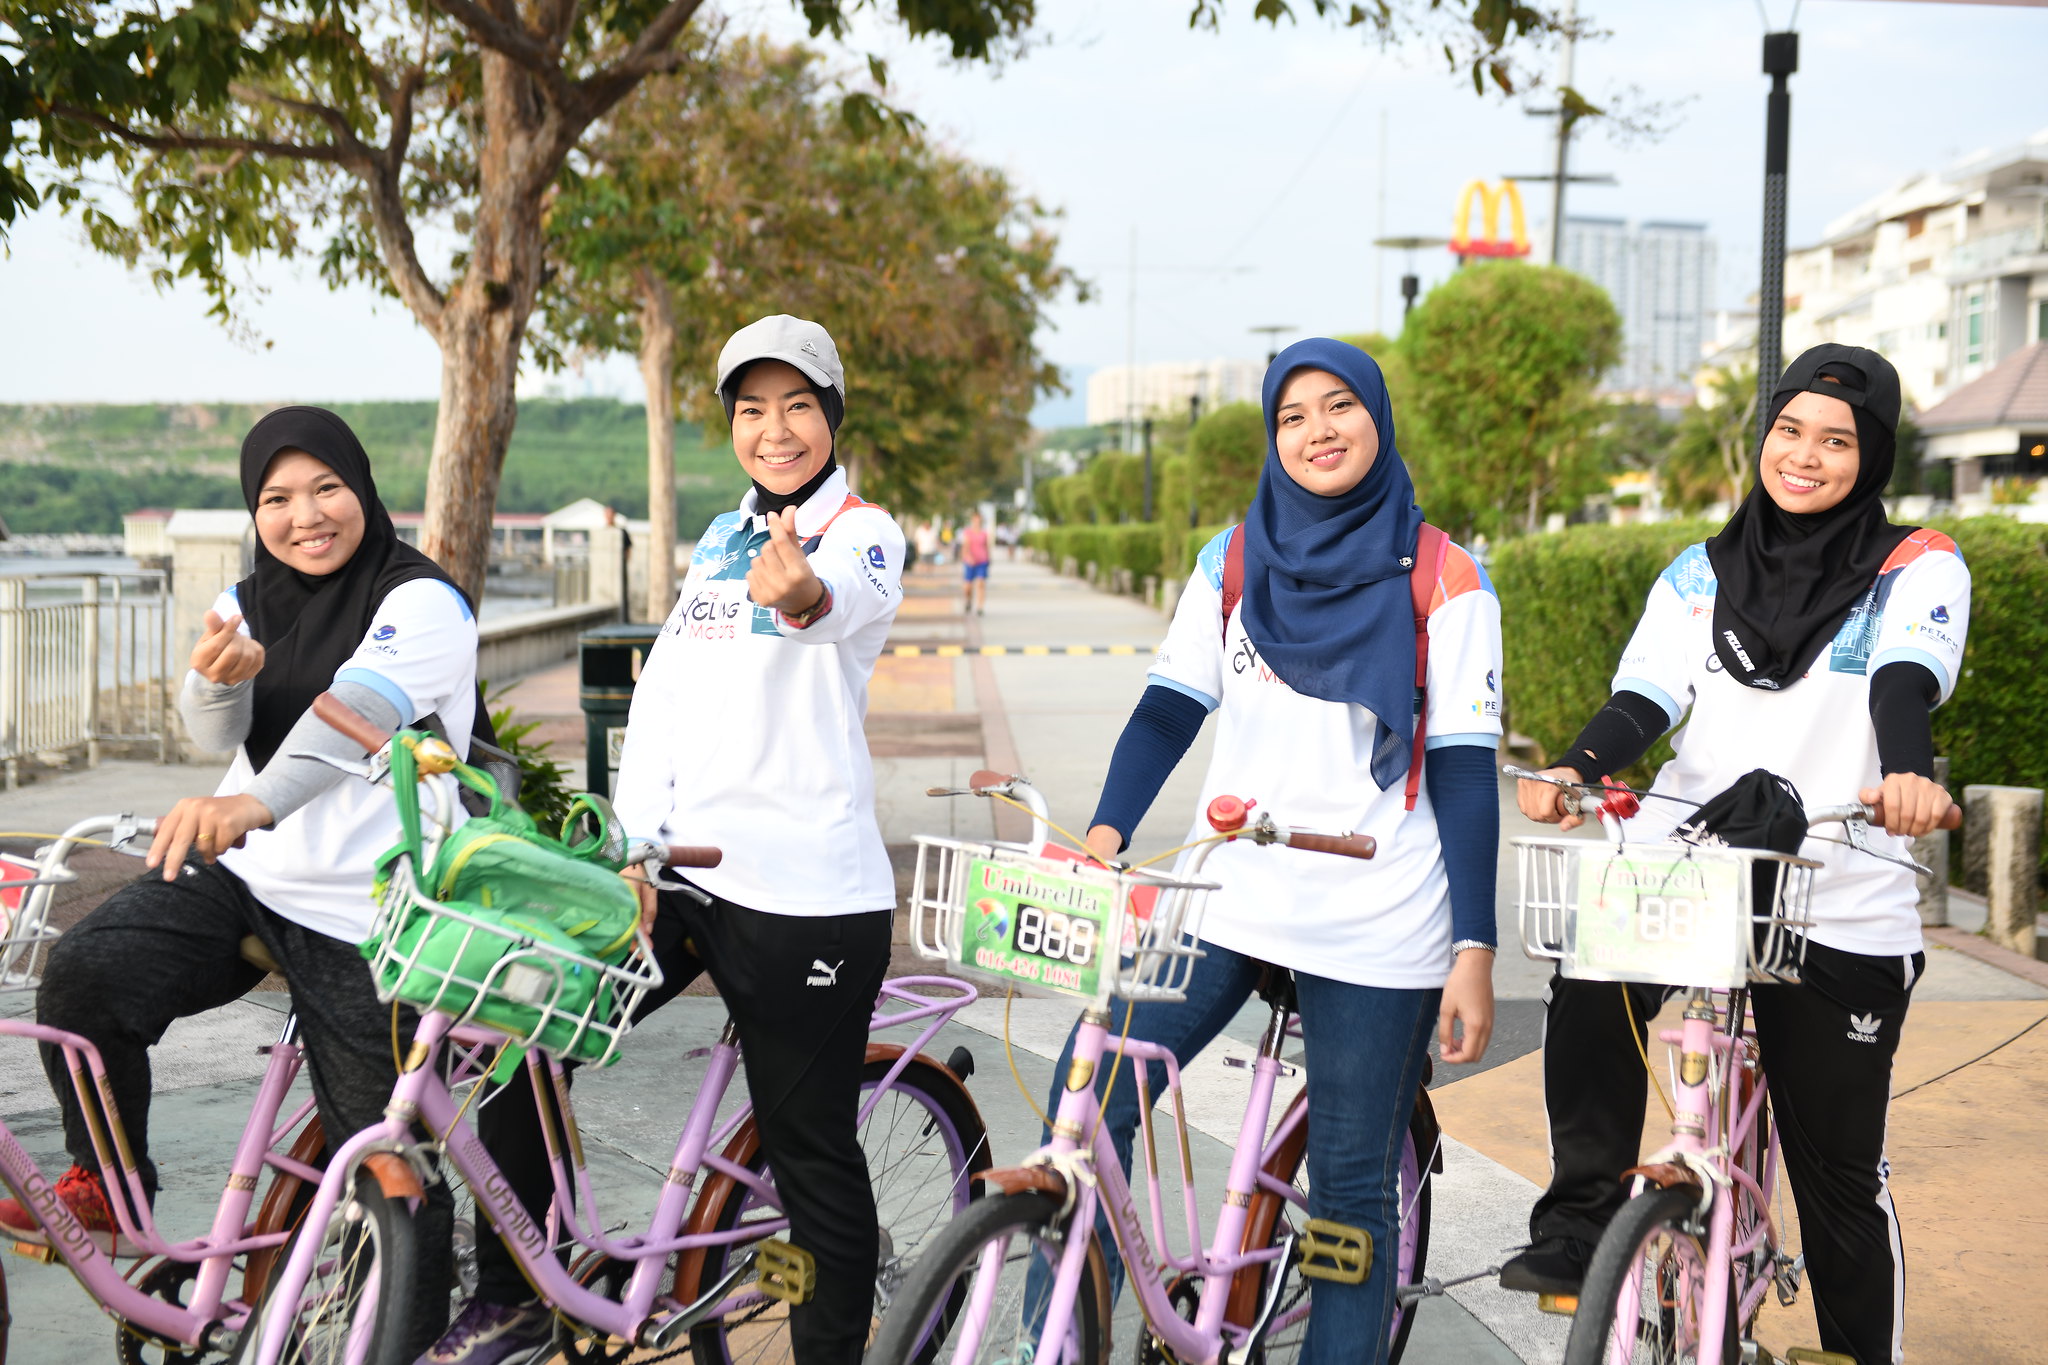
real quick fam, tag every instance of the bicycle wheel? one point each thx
(924, 1143)
(1273, 1218)
(979, 1262)
(356, 1307)
(1645, 1288)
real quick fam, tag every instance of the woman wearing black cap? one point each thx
(284, 850)
(1813, 638)
(747, 733)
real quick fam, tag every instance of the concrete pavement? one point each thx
(1969, 1097)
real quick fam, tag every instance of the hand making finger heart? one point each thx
(781, 576)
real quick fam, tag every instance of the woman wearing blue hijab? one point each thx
(1313, 677)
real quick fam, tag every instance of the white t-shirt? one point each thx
(316, 866)
(1816, 732)
(1386, 922)
(749, 734)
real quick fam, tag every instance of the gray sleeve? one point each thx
(288, 783)
(217, 716)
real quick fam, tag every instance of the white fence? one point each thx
(84, 660)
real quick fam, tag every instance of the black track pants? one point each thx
(800, 991)
(158, 951)
(1828, 1045)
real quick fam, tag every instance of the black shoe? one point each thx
(1554, 1265)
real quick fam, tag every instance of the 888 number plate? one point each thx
(1037, 928)
(1664, 915)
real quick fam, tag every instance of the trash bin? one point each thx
(610, 662)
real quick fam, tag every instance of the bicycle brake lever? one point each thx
(363, 770)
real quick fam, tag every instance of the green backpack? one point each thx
(535, 891)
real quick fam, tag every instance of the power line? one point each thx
(1273, 204)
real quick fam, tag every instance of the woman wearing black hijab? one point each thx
(284, 849)
(1813, 638)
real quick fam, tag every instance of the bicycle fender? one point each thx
(1665, 1175)
(394, 1175)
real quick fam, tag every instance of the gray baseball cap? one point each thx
(794, 341)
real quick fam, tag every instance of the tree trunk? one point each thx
(483, 325)
(658, 373)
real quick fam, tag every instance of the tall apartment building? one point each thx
(1661, 278)
(1117, 392)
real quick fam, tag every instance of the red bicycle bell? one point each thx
(1227, 814)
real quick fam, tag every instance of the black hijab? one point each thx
(1788, 579)
(310, 624)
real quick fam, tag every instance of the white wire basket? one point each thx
(1671, 914)
(1051, 927)
(436, 956)
(25, 930)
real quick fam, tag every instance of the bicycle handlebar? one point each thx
(1871, 814)
(1360, 846)
(685, 855)
(350, 723)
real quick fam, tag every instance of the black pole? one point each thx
(1781, 59)
(1148, 471)
(1410, 287)
(1188, 463)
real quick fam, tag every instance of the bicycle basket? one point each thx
(25, 930)
(1042, 925)
(520, 975)
(1664, 913)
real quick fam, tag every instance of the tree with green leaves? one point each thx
(1496, 412)
(1711, 455)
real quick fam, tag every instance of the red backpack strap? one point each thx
(1430, 548)
(1233, 574)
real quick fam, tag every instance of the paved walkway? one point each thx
(1970, 1089)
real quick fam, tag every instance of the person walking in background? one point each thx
(928, 543)
(974, 566)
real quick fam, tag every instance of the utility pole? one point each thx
(1188, 464)
(1131, 347)
(1379, 265)
(1781, 59)
(1148, 471)
(1570, 16)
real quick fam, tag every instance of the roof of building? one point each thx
(2013, 393)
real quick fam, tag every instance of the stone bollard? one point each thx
(2002, 860)
(1930, 850)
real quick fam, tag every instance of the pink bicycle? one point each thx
(1682, 1272)
(1054, 926)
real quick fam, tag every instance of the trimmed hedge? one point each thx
(1569, 602)
(1145, 548)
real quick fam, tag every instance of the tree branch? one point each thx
(395, 239)
(344, 131)
(177, 140)
(513, 41)
(649, 54)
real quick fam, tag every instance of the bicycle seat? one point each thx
(256, 955)
(1276, 987)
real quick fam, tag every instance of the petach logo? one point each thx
(383, 632)
(1463, 244)
(1939, 616)
(877, 558)
(1490, 686)
(1863, 1028)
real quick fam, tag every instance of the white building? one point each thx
(1120, 392)
(1945, 275)
(1661, 278)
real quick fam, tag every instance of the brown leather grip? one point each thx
(987, 778)
(1348, 845)
(345, 720)
(1953, 820)
(684, 855)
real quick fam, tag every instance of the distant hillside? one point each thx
(80, 467)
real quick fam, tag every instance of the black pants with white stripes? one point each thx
(800, 991)
(1827, 1045)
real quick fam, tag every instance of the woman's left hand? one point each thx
(209, 824)
(781, 576)
(1468, 999)
(1912, 805)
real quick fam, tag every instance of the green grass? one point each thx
(80, 467)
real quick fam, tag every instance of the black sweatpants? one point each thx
(1827, 1047)
(157, 951)
(800, 991)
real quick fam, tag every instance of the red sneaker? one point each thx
(82, 1193)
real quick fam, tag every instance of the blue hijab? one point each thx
(1326, 600)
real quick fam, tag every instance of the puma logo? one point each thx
(1863, 1028)
(821, 975)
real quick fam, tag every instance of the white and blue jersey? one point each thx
(1817, 731)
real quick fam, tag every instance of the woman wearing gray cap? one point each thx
(747, 733)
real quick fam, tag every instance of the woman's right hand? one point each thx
(224, 656)
(644, 889)
(1544, 803)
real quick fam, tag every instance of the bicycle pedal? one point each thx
(1333, 1251)
(1564, 1305)
(39, 1252)
(1802, 1355)
(786, 1272)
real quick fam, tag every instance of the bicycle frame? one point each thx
(208, 1312)
(422, 1096)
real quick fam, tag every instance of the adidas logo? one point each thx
(1863, 1028)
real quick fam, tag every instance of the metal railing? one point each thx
(1988, 253)
(85, 659)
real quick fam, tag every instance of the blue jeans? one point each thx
(1365, 1049)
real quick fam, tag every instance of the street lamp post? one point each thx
(1781, 59)
(1188, 462)
(1273, 333)
(1411, 283)
(1148, 471)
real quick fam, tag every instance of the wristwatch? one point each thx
(801, 619)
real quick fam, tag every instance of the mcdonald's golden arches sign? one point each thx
(1464, 244)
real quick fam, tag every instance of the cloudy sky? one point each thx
(1247, 162)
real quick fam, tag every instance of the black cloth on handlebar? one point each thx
(1903, 695)
(1759, 810)
(1619, 734)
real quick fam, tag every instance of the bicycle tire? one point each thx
(1412, 1256)
(925, 1091)
(952, 1258)
(1614, 1287)
(368, 1244)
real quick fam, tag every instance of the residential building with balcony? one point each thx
(1118, 393)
